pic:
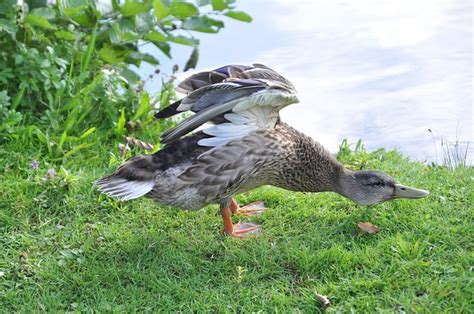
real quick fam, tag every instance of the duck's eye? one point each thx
(377, 183)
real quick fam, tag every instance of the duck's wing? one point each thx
(237, 98)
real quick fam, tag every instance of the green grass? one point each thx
(64, 247)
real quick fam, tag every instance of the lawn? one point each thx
(67, 248)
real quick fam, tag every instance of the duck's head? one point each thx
(373, 187)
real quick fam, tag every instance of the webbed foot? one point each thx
(252, 209)
(246, 230)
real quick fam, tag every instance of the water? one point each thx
(381, 71)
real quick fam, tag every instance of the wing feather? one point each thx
(238, 98)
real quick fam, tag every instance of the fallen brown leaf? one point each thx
(323, 300)
(367, 227)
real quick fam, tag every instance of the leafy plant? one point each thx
(8, 118)
(65, 75)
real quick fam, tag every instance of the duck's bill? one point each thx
(402, 191)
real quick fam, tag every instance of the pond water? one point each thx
(381, 71)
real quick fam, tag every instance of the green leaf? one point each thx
(78, 148)
(47, 13)
(149, 58)
(193, 59)
(183, 10)
(239, 15)
(113, 54)
(183, 40)
(87, 133)
(104, 6)
(164, 47)
(214, 22)
(90, 50)
(8, 27)
(39, 21)
(219, 5)
(155, 36)
(123, 32)
(79, 11)
(134, 7)
(8, 7)
(121, 123)
(144, 22)
(130, 76)
(73, 7)
(202, 24)
(144, 106)
(136, 57)
(161, 11)
(33, 129)
(62, 34)
(62, 140)
(85, 19)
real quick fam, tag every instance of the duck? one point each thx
(234, 142)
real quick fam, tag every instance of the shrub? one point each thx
(64, 65)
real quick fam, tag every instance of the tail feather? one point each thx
(169, 111)
(133, 179)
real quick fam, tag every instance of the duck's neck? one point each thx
(311, 168)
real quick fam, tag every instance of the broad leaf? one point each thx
(164, 47)
(183, 40)
(130, 76)
(155, 36)
(47, 13)
(104, 6)
(239, 15)
(8, 7)
(143, 108)
(219, 5)
(63, 34)
(193, 59)
(113, 54)
(73, 7)
(8, 27)
(161, 11)
(144, 22)
(203, 24)
(183, 10)
(133, 8)
(39, 21)
(136, 57)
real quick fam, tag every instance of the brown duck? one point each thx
(244, 147)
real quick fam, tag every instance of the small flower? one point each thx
(51, 2)
(51, 174)
(34, 165)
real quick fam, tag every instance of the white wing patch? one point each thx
(257, 111)
(124, 189)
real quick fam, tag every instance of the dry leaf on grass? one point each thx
(323, 300)
(367, 227)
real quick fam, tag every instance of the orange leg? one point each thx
(226, 216)
(234, 206)
(239, 230)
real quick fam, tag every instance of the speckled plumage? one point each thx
(248, 147)
(189, 176)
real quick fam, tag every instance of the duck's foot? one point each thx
(252, 209)
(239, 230)
(245, 230)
